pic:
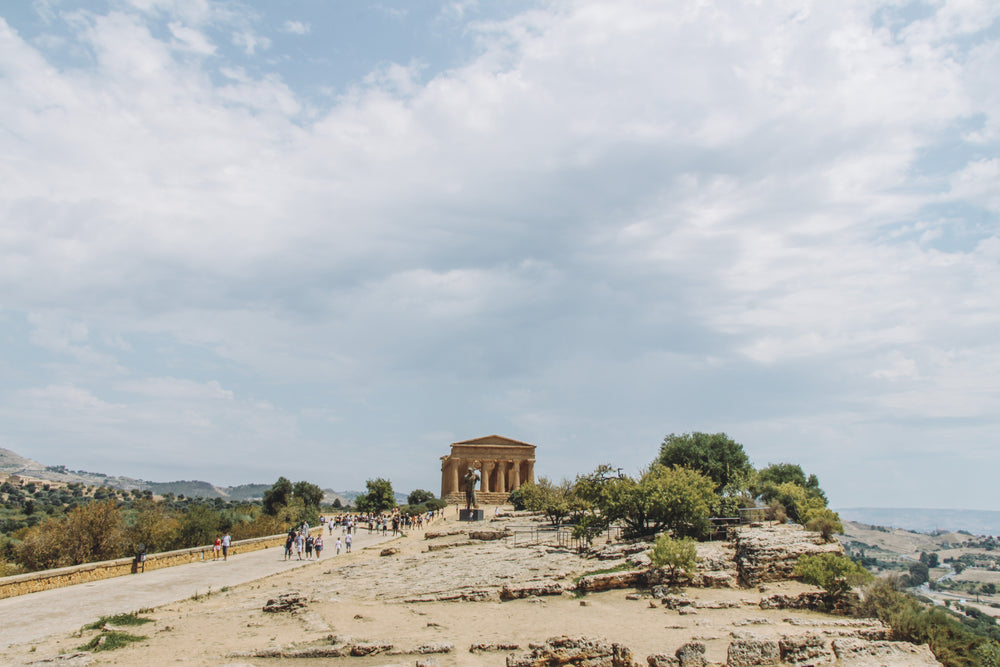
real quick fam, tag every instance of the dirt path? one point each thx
(31, 617)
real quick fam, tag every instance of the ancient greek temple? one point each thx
(503, 465)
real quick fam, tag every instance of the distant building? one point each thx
(503, 465)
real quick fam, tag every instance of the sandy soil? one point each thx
(363, 596)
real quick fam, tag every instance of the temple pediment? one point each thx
(494, 440)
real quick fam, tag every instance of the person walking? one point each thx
(309, 547)
(226, 542)
(318, 545)
(289, 541)
(217, 548)
(347, 543)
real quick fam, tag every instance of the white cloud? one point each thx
(607, 223)
(297, 27)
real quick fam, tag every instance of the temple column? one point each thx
(453, 479)
(515, 477)
(487, 470)
(501, 477)
(530, 477)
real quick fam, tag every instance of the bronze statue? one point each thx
(471, 477)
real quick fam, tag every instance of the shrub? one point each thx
(674, 556)
(824, 521)
(834, 573)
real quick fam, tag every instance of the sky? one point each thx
(325, 239)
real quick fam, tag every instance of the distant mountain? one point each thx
(12, 463)
(977, 522)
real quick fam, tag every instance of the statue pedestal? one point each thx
(470, 515)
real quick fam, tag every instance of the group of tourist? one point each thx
(301, 545)
(377, 522)
(300, 542)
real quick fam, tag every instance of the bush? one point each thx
(834, 573)
(674, 556)
(824, 521)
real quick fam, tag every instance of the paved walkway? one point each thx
(30, 617)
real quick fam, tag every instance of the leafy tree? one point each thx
(674, 556)
(150, 524)
(678, 499)
(713, 454)
(277, 496)
(199, 525)
(337, 503)
(94, 532)
(556, 501)
(919, 574)
(835, 573)
(379, 496)
(310, 494)
(419, 496)
(824, 521)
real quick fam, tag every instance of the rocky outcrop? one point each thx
(619, 551)
(532, 589)
(290, 602)
(611, 580)
(752, 652)
(434, 534)
(487, 535)
(859, 653)
(691, 654)
(769, 553)
(574, 651)
(494, 646)
(807, 649)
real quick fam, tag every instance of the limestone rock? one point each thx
(769, 553)
(611, 580)
(691, 654)
(532, 589)
(370, 648)
(574, 651)
(290, 602)
(808, 649)
(858, 653)
(389, 551)
(494, 646)
(487, 535)
(752, 652)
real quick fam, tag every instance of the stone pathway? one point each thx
(26, 618)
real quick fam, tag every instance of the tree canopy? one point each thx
(379, 497)
(715, 455)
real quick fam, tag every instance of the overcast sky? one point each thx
(324, 239)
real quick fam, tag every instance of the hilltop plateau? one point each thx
(494, 595)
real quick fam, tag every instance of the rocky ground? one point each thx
(449, 597)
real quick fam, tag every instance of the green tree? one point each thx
(678, 499)
(378, 498)
(198, 525)
(825, 522)
(420, 496)
(310, 494)
(919, 574)
(277, 496)
(94, 532)
(556, 501)
(716, 455)
(835, 573)
(674, 556)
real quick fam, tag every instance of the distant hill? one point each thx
(977, 522)
(12, 463)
